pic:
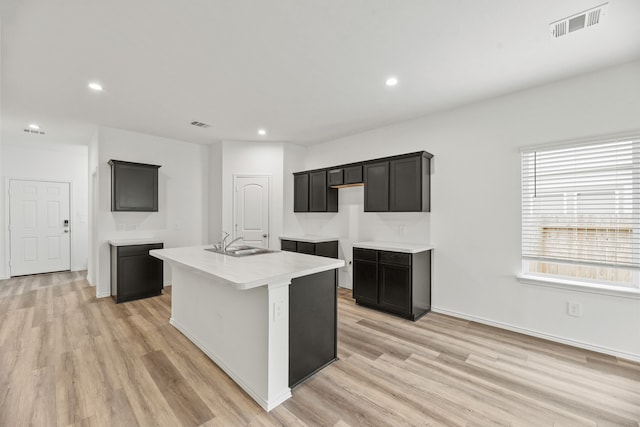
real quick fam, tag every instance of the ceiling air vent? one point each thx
(200, 124)
(38, 132)
(581, 20)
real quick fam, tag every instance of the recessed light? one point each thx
(34, 126)
(262, 132)
(95, 86)
(391, 81)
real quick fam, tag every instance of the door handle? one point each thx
(66, 231)
(265, 235)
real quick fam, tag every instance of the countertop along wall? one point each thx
(475, 220)
(181, 219)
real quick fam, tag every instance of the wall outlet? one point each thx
(278, 310)
(574, 309)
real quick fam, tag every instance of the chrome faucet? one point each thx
(222, 245)
(231, 242)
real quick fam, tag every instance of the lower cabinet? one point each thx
(134, 273)
(325, 249)
(395, 282)
(312, 324)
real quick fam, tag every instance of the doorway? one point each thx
(39, 227)
(251, 209)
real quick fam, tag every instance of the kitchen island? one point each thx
(237, 311)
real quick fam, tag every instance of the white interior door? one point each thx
(39, 227)
(252, 210)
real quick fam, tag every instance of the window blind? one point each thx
(581, 204)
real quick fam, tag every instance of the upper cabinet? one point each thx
(376, 187)
(391, 184)
(347, 176)
(409, 184)
(301, 192)
(134, 187)
(313, 194)
(401, 184)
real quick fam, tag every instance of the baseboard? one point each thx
(79, 269)
(165, 284)
(554, 338)
(103, 295)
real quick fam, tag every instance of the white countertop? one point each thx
(310, 238)
(131, 242)
(410, 248)
(249, 271)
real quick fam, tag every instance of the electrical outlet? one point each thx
(574, 309)
(278, 310)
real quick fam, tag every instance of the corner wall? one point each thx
(183, 196)
(475, 219)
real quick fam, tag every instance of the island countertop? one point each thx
(249, 271)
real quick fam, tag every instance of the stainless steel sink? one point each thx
(240, 251)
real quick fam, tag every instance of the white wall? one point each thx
(56, 162)
(475, 219)
(253, 158)
(181, 219)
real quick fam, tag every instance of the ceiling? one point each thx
(305, 70)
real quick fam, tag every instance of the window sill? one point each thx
(575, 285)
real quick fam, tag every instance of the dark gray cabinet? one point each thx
(376, 187)
(325, 249)
(401, 184)
(345, 176)
(311, 193)
(301, 192)
(312, 324)
(394, 282)
(134, 273)
(391, 184)
(134, 186)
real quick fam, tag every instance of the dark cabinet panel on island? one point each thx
(134, 273)
(312, 324)
(395, 282)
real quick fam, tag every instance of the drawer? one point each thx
(398, 258)
(137, 249)
(289, 245)
(307, 248)
(365, 254)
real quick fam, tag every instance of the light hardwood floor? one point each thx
(67, 358)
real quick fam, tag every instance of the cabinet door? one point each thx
(376, 187)
(395, 288)
(301, 192)
(353, 175)
(318, 191)
(405, 178)
(365, 281)
(327, 249)
(335, 177)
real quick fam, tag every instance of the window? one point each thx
(581, 212)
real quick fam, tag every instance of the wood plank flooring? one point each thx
(68, 359)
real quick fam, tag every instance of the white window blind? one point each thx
(581, 210)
